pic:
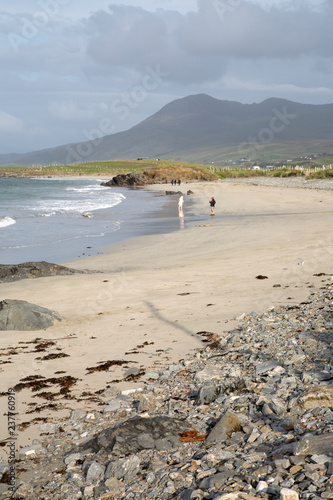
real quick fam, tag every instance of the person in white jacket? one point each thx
(180, 206)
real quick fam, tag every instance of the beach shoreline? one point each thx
(152, 295)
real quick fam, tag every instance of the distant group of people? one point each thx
(174, 182)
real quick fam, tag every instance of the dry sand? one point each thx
(155, 293)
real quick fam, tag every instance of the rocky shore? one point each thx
(285, 182)
(248, 416)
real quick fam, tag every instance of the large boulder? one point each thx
(137, 433)
(21, 315)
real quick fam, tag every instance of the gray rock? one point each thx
(147, 402)
(78, 414)
(208, 373)
(321, 459)
(21, 315)
(315, 445)
(111, 392)
(216, 481)
(95, 473)
(48, 428)
(197, 495)
(112, 406)
(315, 397)
(146, 441)
(153, 375)
(265, 367)
(123, 469)
(134, 370)
(226, 425)
(327, 494)
(33, 270)
(139, 433)
(124, 180)
(31, 451)
(207, 394)
(277, 406)
(116, 403)
(73, 458)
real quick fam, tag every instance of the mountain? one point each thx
(201, 128)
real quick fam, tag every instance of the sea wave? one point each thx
(7, 221)
(89, 188)
(77, 206)
(47, 215)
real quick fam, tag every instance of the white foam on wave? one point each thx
(84, 205)
(89, 189)
(7, 221)
(47, 215)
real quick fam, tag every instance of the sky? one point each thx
(74, 70)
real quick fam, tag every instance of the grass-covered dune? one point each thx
(158, 170)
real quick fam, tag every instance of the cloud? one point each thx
(10, 123)
(196, 47)
(276, 88)
(245, 30)
(132, 38)
(71, 68)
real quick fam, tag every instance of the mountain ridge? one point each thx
(202, 128)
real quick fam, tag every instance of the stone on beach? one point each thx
(21, 315)
(139, 433)
(313, 445)
(32, 270)
(224, 428)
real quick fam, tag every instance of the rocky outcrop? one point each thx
(21, 315)
(28, 270)
(163, 175)
(128, 180)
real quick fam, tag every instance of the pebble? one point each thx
(240, 420)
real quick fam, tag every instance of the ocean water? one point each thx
(58, 220)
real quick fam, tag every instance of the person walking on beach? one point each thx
(212, 203)
(180, 206)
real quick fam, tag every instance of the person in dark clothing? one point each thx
(212, 203)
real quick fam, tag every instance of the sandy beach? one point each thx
(152, 296)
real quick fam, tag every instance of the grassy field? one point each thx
(102, 168)
(160, 170)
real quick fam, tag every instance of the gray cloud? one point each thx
(197, 47)
(66, 70)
